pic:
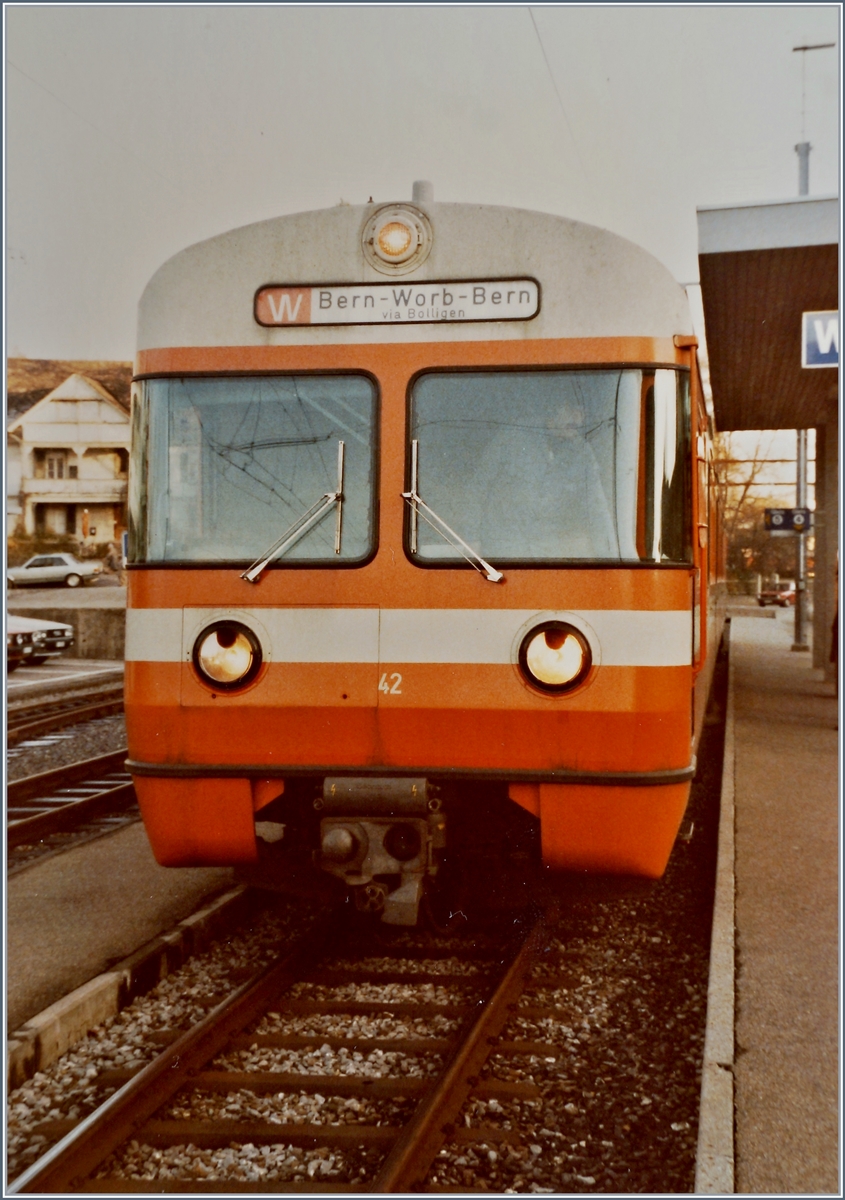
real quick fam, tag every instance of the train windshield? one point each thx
(223, 466)
(551, 466)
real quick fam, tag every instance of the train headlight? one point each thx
(394, 240)
(397, 239)
(555, 657)
(227, 655)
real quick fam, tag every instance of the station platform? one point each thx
(61, 675)
(73, 915)
(786, 799)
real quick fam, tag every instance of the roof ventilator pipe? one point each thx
(422, 193)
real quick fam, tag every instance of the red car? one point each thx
(781, 594)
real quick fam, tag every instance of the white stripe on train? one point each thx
(624, 637)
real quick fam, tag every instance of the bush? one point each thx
(22, 547)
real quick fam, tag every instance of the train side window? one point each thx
(224, 465)
(671, 466)
(645, 478)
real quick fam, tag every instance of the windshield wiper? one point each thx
(419, 507)
(303, 524)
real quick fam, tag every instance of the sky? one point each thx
(133, 131)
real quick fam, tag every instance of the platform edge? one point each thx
(56, 1029)
(714, 1167)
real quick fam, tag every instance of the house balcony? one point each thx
(75, 491)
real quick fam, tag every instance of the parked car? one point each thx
(54, 568)
(18, 645)
(781, 593)
(48, 638)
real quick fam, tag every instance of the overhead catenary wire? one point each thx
(581, 162)
(802, 51)
(132, 154)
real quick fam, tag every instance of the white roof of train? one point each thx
(593, 283)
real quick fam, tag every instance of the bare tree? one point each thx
(748, 484)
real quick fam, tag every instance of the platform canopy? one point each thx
(762, 266)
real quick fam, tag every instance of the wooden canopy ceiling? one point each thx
(761, 267)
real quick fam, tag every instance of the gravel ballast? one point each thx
(72, 744)
(68, 1087)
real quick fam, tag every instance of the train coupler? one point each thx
(380, 837)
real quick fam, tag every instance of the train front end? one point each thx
(420, 579)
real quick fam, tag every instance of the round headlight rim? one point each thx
(236, 685)
(556, 689)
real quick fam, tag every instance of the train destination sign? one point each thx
(398, 303)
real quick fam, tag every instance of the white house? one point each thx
(14, 511)
(68, 457)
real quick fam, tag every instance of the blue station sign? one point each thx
(788, 520)
(820, 339)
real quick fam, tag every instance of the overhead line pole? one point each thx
(803, 148)
(800, 642)
(803, 151)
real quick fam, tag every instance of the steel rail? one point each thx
(46, 781)
(68, 816)
(18, 729)
(407, 1164)
(82, 1146)
(125, 1112)
(75, 811)
(23, 707)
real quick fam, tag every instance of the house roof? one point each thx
(80, 387)
(75, 387)
(29, 380)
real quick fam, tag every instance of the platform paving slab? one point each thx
(75, 914)
(20, 598)
(786, 1071)
(62, 675)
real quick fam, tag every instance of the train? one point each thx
(425, 574)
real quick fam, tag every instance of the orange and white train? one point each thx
(424, 556)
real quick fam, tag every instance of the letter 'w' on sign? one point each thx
(827, 335)
(283, 306)
(285, 311)
(820, 339)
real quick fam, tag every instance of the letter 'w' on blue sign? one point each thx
(820, 339)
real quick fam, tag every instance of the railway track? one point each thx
(43, 808)
(385, 1125)
(33, 718)
(604, 1044)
